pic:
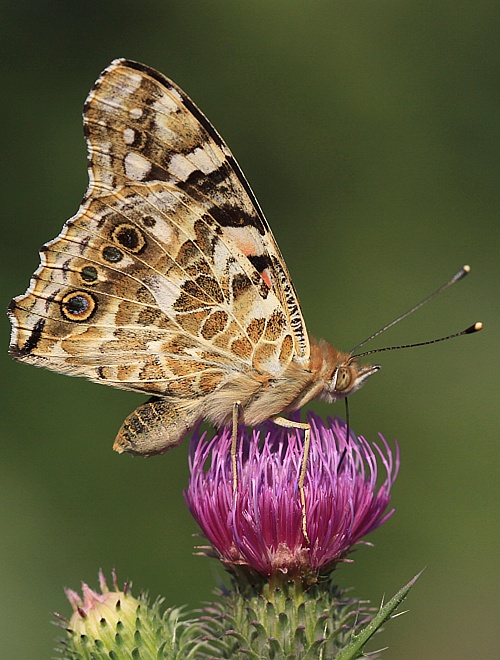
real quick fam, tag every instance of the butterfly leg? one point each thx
(290, 424)
(234, 442)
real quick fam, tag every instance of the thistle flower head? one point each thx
(92, 608)
(100, 620)
(257, 528)
(112, 623)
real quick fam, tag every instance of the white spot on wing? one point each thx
(129, 135)
(203, 161)
(166, 102)
(180, 166)
(136, 113)
(163, 233)
(136, 166)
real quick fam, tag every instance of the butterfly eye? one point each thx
(343, 379)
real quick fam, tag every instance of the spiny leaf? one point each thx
(355, 647)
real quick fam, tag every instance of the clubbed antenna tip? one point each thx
(473, 328)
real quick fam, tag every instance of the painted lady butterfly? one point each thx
(168, 280)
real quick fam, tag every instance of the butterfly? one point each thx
(168, 280)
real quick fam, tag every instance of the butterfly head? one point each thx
(347, 377)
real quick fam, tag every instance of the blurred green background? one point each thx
(369, 132)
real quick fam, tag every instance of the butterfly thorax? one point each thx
(329, 375)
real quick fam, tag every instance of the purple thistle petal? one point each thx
(260, 526)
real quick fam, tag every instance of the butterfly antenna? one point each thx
(468, 331)
(465, 270)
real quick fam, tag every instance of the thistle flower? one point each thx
(257, 529)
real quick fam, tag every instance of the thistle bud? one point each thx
(110, 623)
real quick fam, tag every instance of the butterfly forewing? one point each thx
(141, 126)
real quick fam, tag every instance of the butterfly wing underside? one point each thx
(167, 280)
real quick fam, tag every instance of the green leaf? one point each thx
(357, 643)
